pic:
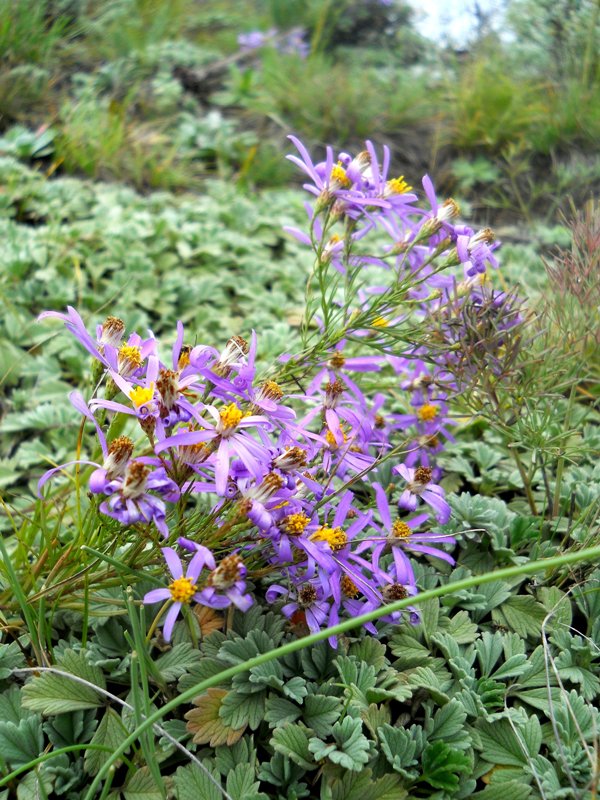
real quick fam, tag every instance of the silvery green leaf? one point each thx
(22, 742)
(238, 710)
(292, 742)
(50, 693)
(279, 711)
(177, 661)
(351, 747)
(320, 713)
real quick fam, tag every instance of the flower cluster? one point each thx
(321, 487)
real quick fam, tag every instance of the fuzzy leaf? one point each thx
(194, 783)
(370, 651)
(21, 743)
(522, 614)
(241, 783)
(236, 651)
(141, 786)
(515, 790)
(242, 752)
(448, 722)
(49, 693)
(34, 785)
(177, 661)
(292, 742)
(435, 683)
(375, 716)
(241, 710)
(11, 709)
(110, 733)
(361, 786)
(205, 721)
(280, 711)
(459, 627)
(321, 712)
(295, 688)
(74, 728)
(11, 657)
(441, 763)
(409, 651)
(502, 745)
(351, 748)
(399, 747)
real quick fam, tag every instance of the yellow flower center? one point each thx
(295, 524)
(140, 395)
(130, 355)
(230, 416)
(401, 530)
(338, 175)
(335, 537)
(331, 440)
(380, 322)
(398, 186)
(182, 590)
(427, 412)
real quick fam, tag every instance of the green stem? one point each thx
(526, 481)
(508, 573)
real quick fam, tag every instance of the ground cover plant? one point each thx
(280, 496)
(298, 499)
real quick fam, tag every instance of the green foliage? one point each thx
(494, 693)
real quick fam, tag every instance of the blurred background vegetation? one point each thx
(160, 94)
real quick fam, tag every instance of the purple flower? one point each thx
(183, 589)
(475, 252)
(306, 602)
(228, 437)
(400, 535)
(226, 585)
(126, 360)
(129, 500)
(255, 39)
(420, 487)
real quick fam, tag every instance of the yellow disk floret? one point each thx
(182, 590)
(140, 395)
(401, 530)
(294, 524)
(335, 537)
(331, 440)
(131, 356)
(427, 412)
(231, 415)
(397, 186)
(338, 175)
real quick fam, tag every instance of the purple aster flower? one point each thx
(476, 251)
(229, 438)
(226, 585)
(129, 500)
(183, 589)
(400, 535)
(126, 360)
(420, 487)
(306, 603)
(255, 39)
(341, 181)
